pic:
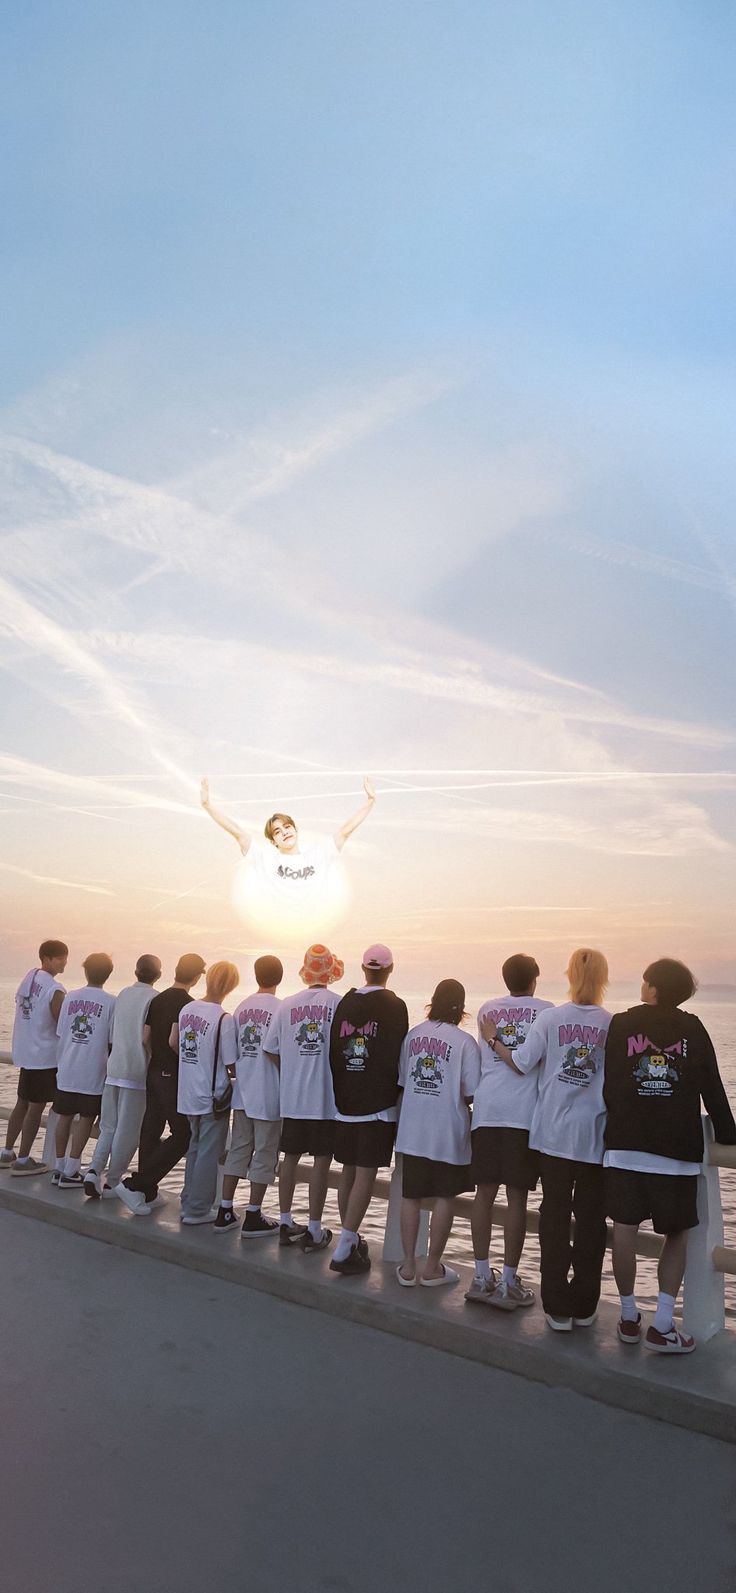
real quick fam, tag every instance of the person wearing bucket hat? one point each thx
(365, 1045)
(299, 1043)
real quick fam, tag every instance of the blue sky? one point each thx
(367, 400)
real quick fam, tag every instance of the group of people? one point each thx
(604, 1109)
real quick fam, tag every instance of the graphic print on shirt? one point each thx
(656, 1072)
(427, 1054)
(512, 1024)
(252, 1026)
(310, 1034)
(356, 1052)
(82, 1014)
(583, 1055)
(189, 1047)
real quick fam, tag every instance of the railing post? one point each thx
(703, 1301)
(48, 1154)
(393, 1250)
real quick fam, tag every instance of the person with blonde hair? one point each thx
(567, 1044)
(205, 1038)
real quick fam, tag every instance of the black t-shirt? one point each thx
(163, 1011)
(365, 1044)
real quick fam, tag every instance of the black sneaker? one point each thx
(310, 1246)
(71, 1181)
(225, 1218)
(358, 1261)
(291, 1234)
(256, 1223)
(362, 1245)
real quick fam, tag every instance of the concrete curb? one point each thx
(698, 1393)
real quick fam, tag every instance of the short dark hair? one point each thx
(518, 972)
(673, 982)
(448, 1002)
(268, 971)
(52, 948)
(189, 968)
(98, 967)
(276, 818)
(148, 969)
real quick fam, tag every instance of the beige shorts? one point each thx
(254, 1149)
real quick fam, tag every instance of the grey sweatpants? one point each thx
(120, 1130)
(206, 1146)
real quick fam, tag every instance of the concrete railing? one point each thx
(709, 1259)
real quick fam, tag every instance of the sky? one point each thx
(367, 406)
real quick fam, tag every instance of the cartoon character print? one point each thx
(356, 1053)
(656, 1074)
(427, 1072)
(26, 1006)
(309, 1034)
(511, 1033)
(189, 1046)
(82, 1028)
(250, 1039)
(581, 1062)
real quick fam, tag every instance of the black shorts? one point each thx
(37, 1086)
(502, 1156)
(69, 1103)
(307, 1136)
(669, 1199)
(421, 1179)
(364, 1144)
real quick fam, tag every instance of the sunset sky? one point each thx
(367, 405)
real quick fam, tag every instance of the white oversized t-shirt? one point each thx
(566, 1045)
(198, 1022)
(300, 1036)
(84, 1032)
(439, 1071)
(503, 1099)
(34, 1042)
(257, 1087)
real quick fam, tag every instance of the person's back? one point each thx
(660, 1063)
(128, 1061)
(83, 1030)
(124, 1096)
(34, 1043)
(303, 1027)
(367, 1030)
(163, 1011)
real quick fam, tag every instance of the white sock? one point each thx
(629, 1312)
(226, 1204)
(72, 1165)
(250, 1206)
(483, 1270)
(286, 1219)
(345, 1244)
(509, 1274)
(59, 1164)
(665, 1312)
(315, 1228)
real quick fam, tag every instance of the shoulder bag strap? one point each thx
(217, 1056)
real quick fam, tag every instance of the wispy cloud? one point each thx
(51, 879)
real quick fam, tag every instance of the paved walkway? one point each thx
(164, 1430)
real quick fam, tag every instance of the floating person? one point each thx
(280, 883)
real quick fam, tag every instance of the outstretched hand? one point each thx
(204, 793)
(369, 788)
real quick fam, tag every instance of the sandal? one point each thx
(448, 1276)
(406, 1283)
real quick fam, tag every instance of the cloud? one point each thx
(51, 879)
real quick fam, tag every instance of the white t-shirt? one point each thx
(128, 1061)
(567, 1044)
(293, 874)
(439, 1071)
(198, 1022)
(300, 1036)
(503, 1099)
(84, 1032)
(34, 1029)
(257, 1087)
(644, 1162)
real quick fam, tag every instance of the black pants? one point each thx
(157, 1156)
(571, 1189)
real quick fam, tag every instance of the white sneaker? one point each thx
(585, 1321)
(134, 1199)
(481, 1289)
(192, 1222)
(502, 1297)
(558, 1324)
(520, 1292)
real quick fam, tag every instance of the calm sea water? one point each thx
(719, 1018)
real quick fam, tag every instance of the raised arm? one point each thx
(351, 824)
(233, 828)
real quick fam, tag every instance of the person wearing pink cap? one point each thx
(299, 1043)
(368, 1027)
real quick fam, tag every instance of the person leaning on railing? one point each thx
(566, 1044)
(659, 1063)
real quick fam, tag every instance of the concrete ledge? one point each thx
(696, 1392)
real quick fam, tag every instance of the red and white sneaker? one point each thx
(672, 1343)
(629, 1330)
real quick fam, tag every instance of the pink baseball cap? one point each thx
(378, 956)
